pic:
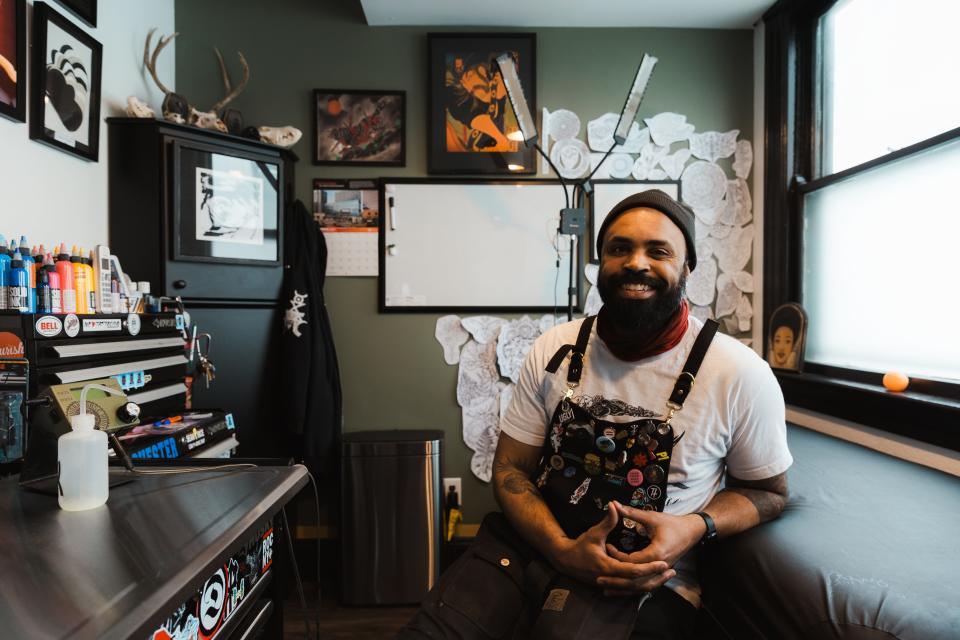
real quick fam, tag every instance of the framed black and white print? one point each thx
(226, 205)
(472, 128)
(65, 93)
(86, 10)
(13, 59)
(359, 128)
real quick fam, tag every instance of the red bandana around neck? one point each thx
(633, 347)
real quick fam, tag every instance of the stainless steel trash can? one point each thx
(392, 516)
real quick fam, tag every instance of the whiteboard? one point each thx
(473, 245)
(607, 193)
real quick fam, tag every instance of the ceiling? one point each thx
(698, 14)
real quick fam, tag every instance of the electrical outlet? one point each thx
(455, 483)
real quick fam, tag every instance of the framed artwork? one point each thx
(13, 59)
(348, 213)
(607, 193)
(472, 128)
(787, 337)
(86, 10)
(65, 94)
(226, 205)
(359, 128)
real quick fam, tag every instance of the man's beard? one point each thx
(641, 316)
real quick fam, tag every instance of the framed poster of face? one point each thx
(472, 127)
(226, 205)
(13, 59)
(65, 94)
(86, 10)
(787, 337)
(359, 128)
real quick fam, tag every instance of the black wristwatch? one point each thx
(711, 533)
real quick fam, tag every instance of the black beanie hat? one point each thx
(680, 214)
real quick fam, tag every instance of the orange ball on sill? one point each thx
(895, 381)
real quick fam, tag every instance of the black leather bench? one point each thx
(867, 548)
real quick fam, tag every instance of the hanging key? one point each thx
(207, 367)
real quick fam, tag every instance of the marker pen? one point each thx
(65, 271)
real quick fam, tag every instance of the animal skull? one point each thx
(137, 108)
(284, 137)
(207, 120)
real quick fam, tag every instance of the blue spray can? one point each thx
(18, 286)
(4, 272)
(44, 293)
(29, 263)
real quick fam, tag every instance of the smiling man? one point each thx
(632, 438)
(727, 466)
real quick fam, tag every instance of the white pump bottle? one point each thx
(82, 460)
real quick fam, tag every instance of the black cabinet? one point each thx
(159, 174)
(198, 213)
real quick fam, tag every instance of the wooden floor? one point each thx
(338, 622)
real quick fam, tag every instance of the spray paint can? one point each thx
(65, 271)
(18, 286)
(4, 269)
(91, 280)
(53, 278)
(29, 264)
(81, 285)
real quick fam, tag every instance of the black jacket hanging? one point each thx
(310, 376)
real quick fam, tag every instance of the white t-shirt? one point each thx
(732, 422)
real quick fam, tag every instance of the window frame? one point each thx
(794, 132)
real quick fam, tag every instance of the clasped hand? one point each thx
(590, 559)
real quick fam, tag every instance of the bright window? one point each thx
(881, 267)
(890, 77)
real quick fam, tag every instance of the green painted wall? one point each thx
(393, 371)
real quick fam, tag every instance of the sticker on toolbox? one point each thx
(91, 325)
(166, 448)
(229, 419)
(11, 346)
(131, 380)
(180, 322)
(71, 325)
(164, 323)
(48, 326)
(133, 324)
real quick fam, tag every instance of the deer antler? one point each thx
(150, 61)
(232, 92)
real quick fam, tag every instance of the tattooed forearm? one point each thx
(517, 483)
(769, 505)
(769, 496)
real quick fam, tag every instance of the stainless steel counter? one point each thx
(117, 571)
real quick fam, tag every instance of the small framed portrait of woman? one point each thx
(787, 337)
